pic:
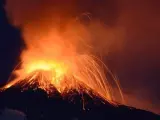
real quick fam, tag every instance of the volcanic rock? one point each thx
(38, 105)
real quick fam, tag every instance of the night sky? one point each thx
(136, 63)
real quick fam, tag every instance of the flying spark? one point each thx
(56, 60)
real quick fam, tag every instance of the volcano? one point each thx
(38, 105)
(62, 53)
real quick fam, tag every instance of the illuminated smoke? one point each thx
(60, 49)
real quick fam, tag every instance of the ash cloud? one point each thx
(39, 16)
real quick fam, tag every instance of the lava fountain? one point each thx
(63, 59)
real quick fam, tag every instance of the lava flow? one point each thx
(61, 59)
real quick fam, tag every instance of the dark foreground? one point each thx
(38, 106)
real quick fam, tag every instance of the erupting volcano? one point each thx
(64, 50)
(62, 59)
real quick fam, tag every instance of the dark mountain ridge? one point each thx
(38, 105)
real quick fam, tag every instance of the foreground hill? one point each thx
(37, 105)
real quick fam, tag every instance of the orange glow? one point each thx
(60, 59)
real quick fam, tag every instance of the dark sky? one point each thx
(10, 46)
(137, 63)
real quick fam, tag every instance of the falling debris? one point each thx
(53, 60)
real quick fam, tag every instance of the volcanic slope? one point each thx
(38, 105)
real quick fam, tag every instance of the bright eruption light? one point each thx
(54, 59)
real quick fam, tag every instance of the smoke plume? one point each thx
(38, 17)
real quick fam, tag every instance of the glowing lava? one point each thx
(58, 59)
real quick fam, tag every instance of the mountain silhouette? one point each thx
(38, 105)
